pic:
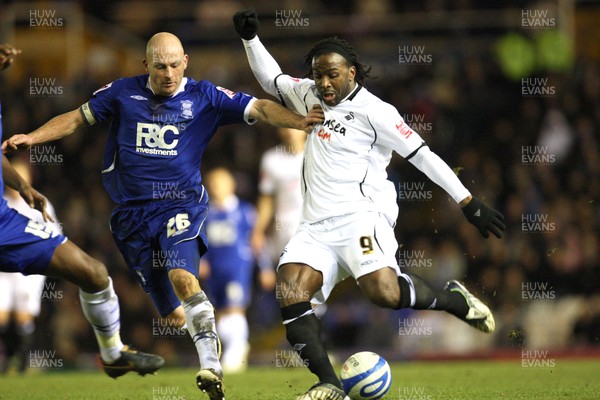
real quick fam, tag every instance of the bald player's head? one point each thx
(165, 62)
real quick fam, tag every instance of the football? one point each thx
(366, 375)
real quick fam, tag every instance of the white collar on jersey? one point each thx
(179, 89)
(352, 93)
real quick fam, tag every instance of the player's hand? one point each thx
(314, 117)
(486, 219)
(35, 200)
(268, 279)
(246, 23)
(257, 241)
(17, 142)
(7, 55)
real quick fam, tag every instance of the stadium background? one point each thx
(507, 95)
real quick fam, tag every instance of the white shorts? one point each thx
(351, 245)
(21, 293)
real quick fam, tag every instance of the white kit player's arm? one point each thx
(263, 65)
(292, 92)
(394, 133)
(440, 173)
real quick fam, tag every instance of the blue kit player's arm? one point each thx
(57, 128)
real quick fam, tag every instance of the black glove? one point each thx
(484, 218)
(246, 23)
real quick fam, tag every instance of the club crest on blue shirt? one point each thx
(186, 109)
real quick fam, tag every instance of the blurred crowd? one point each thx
(536, 158)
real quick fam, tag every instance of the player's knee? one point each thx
(96, 274)
(297, 283)
(381, 292)
(185, 284)
(289, 292)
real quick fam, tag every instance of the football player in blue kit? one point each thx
(161, 123)
(31, 247)
(229, 264)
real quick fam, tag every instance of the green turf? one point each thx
(411, 381)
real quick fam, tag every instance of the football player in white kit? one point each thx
(279, 205)
(350, 209)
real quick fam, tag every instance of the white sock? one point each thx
(101, 309)
(233, 331)
(200, 320)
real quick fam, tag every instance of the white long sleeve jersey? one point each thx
(345, 158)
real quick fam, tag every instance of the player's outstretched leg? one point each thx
(100, 306)
(383, 287)
(454, 298)
(200, 321)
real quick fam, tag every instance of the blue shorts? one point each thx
(229, 287)
(26, 246)
(158, 236)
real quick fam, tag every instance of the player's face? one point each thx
(220, 184)
(166, 67)
(334, 77)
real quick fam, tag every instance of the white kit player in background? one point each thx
(279, 205)
(350, 210)
(21, 295)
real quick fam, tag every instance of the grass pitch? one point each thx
(479, 380)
